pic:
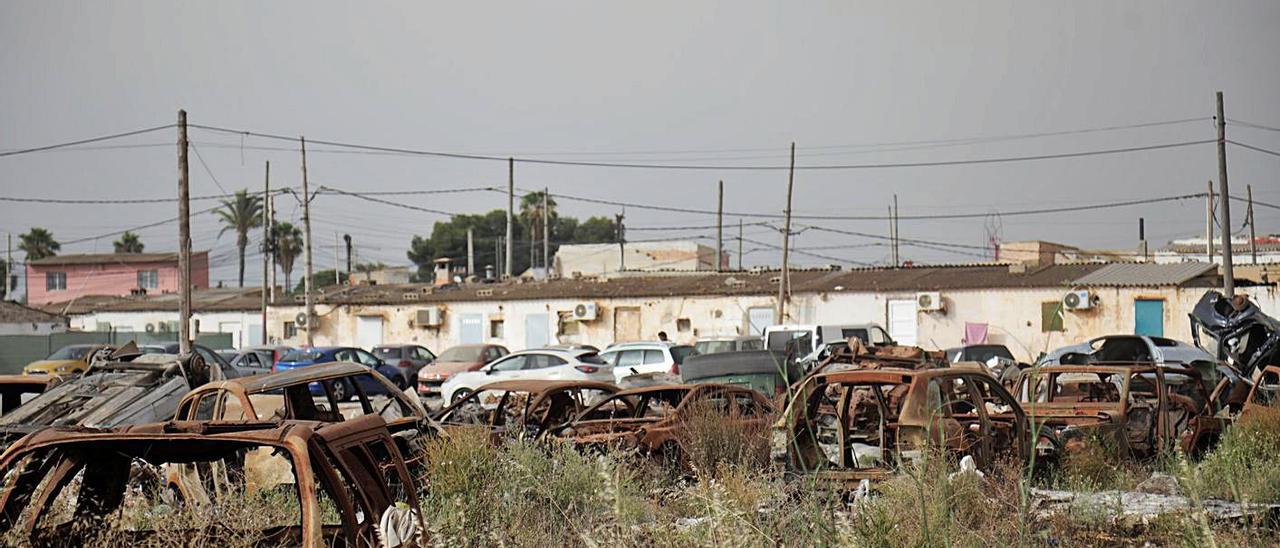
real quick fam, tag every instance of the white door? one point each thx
(759, 318)
(902, 321)
(536, 332)
(368, 331)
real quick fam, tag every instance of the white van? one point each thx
(810, 340)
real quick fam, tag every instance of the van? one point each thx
(808, 342)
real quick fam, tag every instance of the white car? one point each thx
(546, 364)
(639, 358)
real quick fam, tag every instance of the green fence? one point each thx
(17, 351)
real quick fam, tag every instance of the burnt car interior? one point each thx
(502, 409)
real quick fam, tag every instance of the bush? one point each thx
(711, 441)
(1245, 466)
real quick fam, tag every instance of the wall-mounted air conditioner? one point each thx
(585, 312)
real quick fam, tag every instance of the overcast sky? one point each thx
(719, 83)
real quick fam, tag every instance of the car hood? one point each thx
(48, 366)
(446, 368)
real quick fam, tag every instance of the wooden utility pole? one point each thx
(184, 240)
(511, 206)
(1208, 224)
(786, 242)
(622, 241)
(8, 268)
(720, 228)
(471, 255)
(546, 233)
(739, 244)
(1224, 196)
(271, 205)
(1253, 233)
(266, 246)
(337, 267)
(309, 305)
(897, 237)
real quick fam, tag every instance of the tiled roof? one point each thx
(11, 312)
(111, 258)
(1145, 274)
(203, 300)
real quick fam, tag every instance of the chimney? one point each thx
(443, 276)
(488, 272)
(1142, 238)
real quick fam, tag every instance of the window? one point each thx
(148, 279)
(420, 353)
(568, 325)
(55, 281)
(1051, 316)
(514, 363)
(367, 358)
(495, 329)
(654, 357)
(683, 325)
(290, 330)
(629, 358)
(539, 361)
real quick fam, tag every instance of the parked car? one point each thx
(807, 343)
(269, 354)
(458, 359)
(16, 390)
(524, 408)
(540, 364)
(343, 391)
(333, 484)
(641, 358)
(1143, 409)
(228, 354)
(72, 359)
(573, 347)
(651, 419)
(713, 345)
(764, 371)
(1128, 349)
(409, 358)
(843, 427)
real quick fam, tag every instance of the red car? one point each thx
(466, 357)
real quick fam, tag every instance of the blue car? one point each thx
(343, 391)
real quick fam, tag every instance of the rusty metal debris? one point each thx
(525, 409)
(65, 485)
(856, 355)
(16, 390)
(653, 419)
(843, 427)
(1265, 392)
(1139, 409)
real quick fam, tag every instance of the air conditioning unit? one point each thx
(929, 301)
(585, 312)
(151, 328)
(301, 321)
(430, 316)
(1080, 299)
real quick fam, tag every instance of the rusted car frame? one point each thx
(843, 427)
(652, 419)
(1143, 409)
(346, 476)
(16, 390)
(1265, 392)
(526, 409)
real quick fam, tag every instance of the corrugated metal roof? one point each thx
(1144, 274)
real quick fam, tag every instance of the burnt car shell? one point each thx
(522, 408)
(843, 427)
(1243, 332)
(37, 468)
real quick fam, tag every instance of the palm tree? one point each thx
(241, 213)
(287, 241)
(39, 244)
(128, 243)
(532, 215)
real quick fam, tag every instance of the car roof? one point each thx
(291, 377)
(641, 344)
(556, 351)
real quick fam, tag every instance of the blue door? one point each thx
(1148, 317)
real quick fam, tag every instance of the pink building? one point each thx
(65, 277)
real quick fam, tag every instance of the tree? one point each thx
(449, 239)
(38, 244)
(532, 215)
(320, 278)
(287, 241)
(128, 243)
(596, 230)
(241, 213)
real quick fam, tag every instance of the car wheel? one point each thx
(459, 394)
(341, 391)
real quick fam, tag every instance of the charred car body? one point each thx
(1242, 333)
(1142, 409)
(525, 409)
(63, 486)
(843, 427)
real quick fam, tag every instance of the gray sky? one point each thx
(695, 81)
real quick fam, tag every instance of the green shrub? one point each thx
(1245, 466)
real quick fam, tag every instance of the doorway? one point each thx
(368, 331)
(626, 324)
(1148, 317)
(902, 321)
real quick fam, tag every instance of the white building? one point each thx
(596, 259)
(237, 312)
(16, 319)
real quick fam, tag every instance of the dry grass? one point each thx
(710, 442)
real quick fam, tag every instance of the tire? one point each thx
(342, 391)
(458, 395)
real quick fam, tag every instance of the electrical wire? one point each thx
(129, 201)
(388, 202)
(206, 168)
(85, 141)
(1252, 125)
(1254, 148)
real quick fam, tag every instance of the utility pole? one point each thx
(622, 240)
(497, 255)
(266, 246)
(786, 242)
(471, 255)
(271, 205)
(897, 250)
(546, 233)
(511, 206)
(8, 268)
(1253, 234)
(1208, 224)
(337, 269)
(739, 244)
(1228, 269)
(309, 307)
(347, 239)
(184, 240)
(720, 228)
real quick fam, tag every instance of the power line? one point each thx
(85, 141)
(1254, 148)
(118, 201)
(462, 156)
(139, 227)
(206, 168)
(387, 202)
(1252, 125)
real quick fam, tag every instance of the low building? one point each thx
(1266, 248)
(65, 277)
(383, 276)
(237, 312)
(596, 259)
(934, 306)
(16, 319)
